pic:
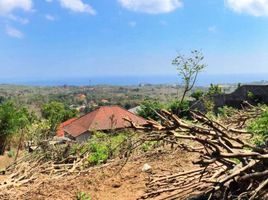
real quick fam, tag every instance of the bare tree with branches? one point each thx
(188, 68)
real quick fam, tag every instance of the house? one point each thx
(60, 130)
(104, 118)
(81, 97)
(104, 101)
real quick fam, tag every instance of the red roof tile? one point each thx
(60, 130)
(103, 118)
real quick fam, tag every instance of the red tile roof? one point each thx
(103, 118)
(60, 130)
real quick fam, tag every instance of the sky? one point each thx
(81, 38)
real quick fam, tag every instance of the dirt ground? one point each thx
(106, 183)
(5, 161)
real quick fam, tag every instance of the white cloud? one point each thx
(151, 6)
(50, 17)
(7, 6)
(13, 32)
(18, 19)
(77, 6)
(252, 7)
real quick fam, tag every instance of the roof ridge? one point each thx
(78, 118)
(101, 119)
(95, 116)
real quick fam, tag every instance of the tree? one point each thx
(11, 119)
(24, 119)
(188, 68)
(214, 89)
(56, 112)
(197, 94)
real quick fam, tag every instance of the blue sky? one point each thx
(74, 38)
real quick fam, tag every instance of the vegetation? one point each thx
(259, 128)
(101, 147)
(214, 89)
(83, 196)
(11, 120)
(149, 108)
(38, 131)
(56, 112)
(188, 69)
(226, 111)
(197, 94)
(180, 108)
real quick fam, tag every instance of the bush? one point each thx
(10, 153)
(253, 97)
(83, 196)
(226, 111)
(259, 128)
(101, 147)
(214, 89)
(99, 153)
(149, 108)
(209, 104)
(146, 146)
(250, 95)
(180, 108)
(197, 94)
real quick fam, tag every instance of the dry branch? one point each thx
(229, 167)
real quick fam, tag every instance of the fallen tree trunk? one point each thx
(228, 167)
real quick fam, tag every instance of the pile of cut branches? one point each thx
(49, 162)
(228, 167)
(53, 159)
(239, 118)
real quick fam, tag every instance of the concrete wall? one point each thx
(83, 137)
(235, 99)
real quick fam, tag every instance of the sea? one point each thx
(202, 80)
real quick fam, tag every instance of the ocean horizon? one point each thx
(202, 80)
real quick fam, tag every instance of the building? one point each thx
(105, 118)
(60, 130)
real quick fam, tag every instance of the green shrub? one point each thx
(101, 147)
(83, 196)
(214, 89)
(209, 104)
(99, 153)
(226, 111)
(146, 146)
(149, 108)
(250, 95)
(180, 108)
(260, 128)
(253, 97)
(10, 153)
(197, 94)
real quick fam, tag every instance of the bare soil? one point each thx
(5, 161)
(107, 183)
